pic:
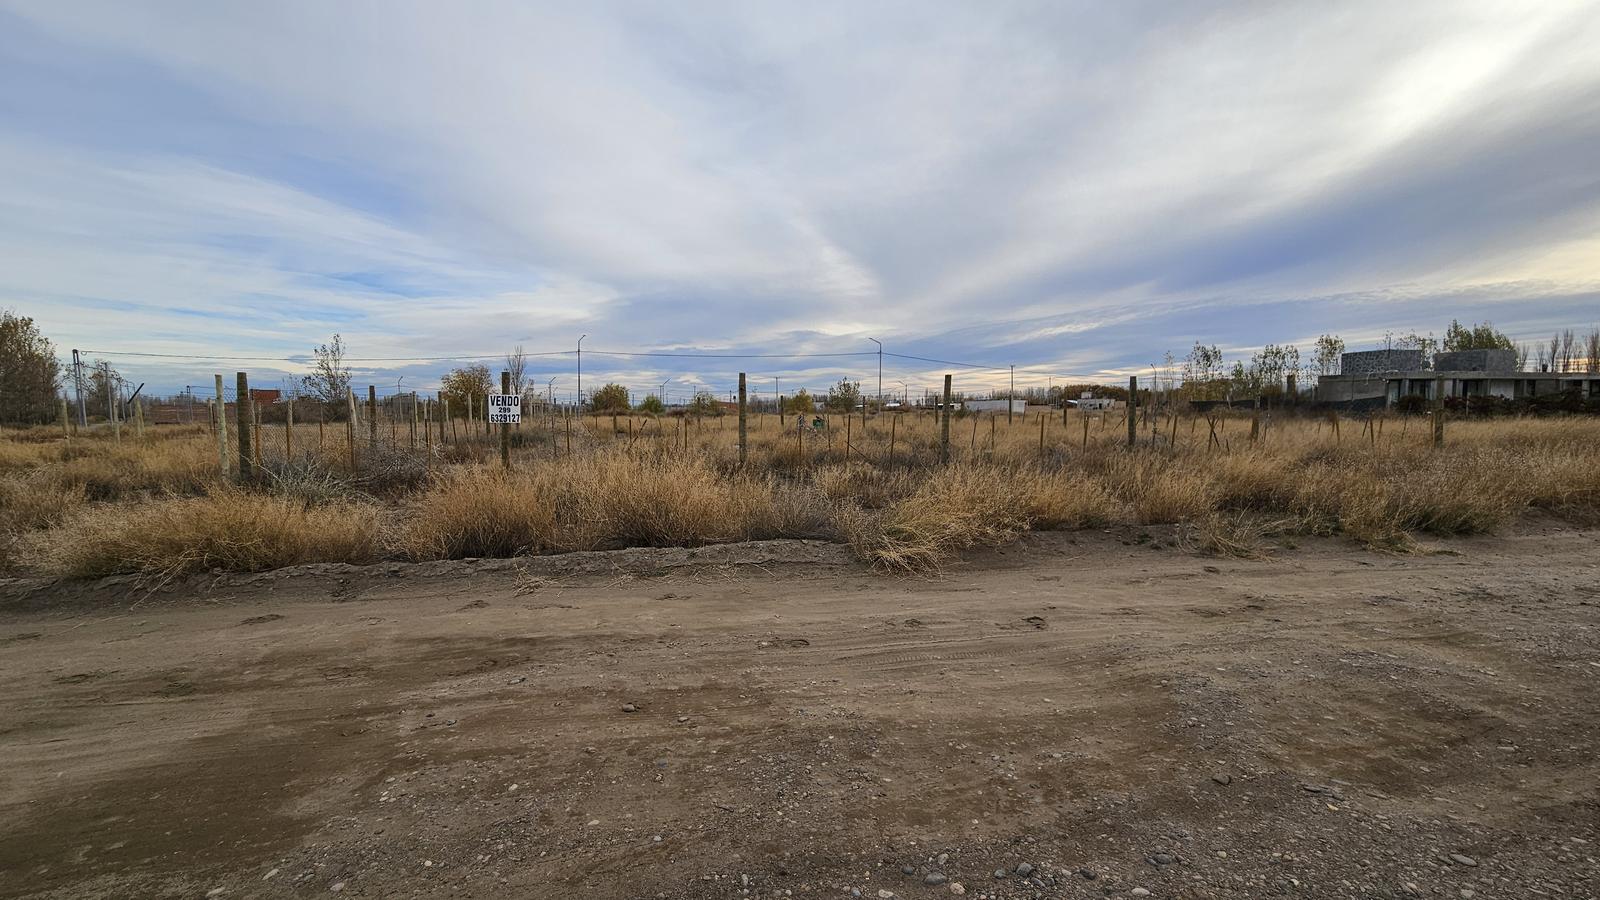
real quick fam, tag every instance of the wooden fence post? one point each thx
(242, 404)
(505, 427)
(288, 430)
(350, 430)
(222, 428)
(66, 430)
(372, 416)
(1133, 409)
(743, 399)
(944, 427)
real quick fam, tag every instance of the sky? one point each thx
(1073, 189)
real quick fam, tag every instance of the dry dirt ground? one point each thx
(1077, 716)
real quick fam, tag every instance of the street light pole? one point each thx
(661, 392)
(880, 369)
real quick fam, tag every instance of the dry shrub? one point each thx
(1238, 535)
(482, 512)
(972, 506)
(1160, 490)
(1059, 500)
(605, 501)
(231, 530)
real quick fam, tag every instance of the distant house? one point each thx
(1088, 401)
(1379, 378)
(265, 395)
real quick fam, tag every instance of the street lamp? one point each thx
(880, 368)
(580, 371)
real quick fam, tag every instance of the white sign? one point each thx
(505, 409)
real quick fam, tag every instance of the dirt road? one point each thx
(1079, 715)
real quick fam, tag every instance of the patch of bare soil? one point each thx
(1079, 715)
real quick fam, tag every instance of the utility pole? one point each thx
(880, 369)
(77, 385)
(580, 372)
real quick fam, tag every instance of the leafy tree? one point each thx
(613, 398)
(844, 396)
(330, 379)
(1478, 337)
(704, 404)
(29, 372)
(801, 402)
(1272, 364)
(467, 381)
(1326, 355)
(1202, 373)
(651, 405)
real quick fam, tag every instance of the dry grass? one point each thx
(664, 484)
(230, 530)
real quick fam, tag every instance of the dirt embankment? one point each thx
(1078, 715)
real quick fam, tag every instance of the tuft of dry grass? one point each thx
(960, 509)
(230, 530)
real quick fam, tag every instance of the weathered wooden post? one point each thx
(743, 399)
(288, 429)
(222, 428)
(505, 427)
(1133, 409)
(944, 426)
(66, 430)
(350, 429)
(372, 416)
(241, 402)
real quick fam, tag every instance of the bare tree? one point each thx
(517, 365)
(330, 378)
(1591, 351)
(1522, 356)
(1554, 349)
(1568, 344)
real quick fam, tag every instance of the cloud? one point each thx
(1055, 185)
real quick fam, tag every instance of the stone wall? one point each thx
(1372, 362)
(1476, 361)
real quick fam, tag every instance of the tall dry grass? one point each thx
(666, 483)
(229, 530)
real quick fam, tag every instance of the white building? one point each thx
(1019, 406)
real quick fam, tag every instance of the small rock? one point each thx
(682, 719)
(999, 873)
(519, 679)
(1162, 859)
(593, 822)
(957, 889)
(215, 892)
(1088, 874)
(269, 875)
(629, 707)
(885, 894)
(1139, 892)
(1024, 869)
(908, 870)
(941, 859)
(1462, 860)
(336, 887)
(1222, 778)
(934, 878)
